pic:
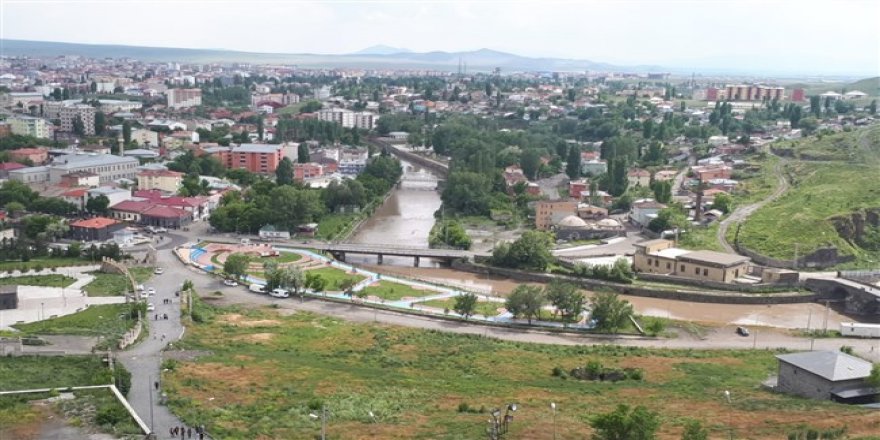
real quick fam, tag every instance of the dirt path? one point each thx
(742, 212)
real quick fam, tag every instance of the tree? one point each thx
(93, 87)
(315, 282)
(302, 153)
(573, 162)
(669, 218)
(284, 172)
(236, 265)
(14, 208)
(694, 430)
(465, 304)
(260, 128)
(79, 128)
(722, 202)
(530, 162)
(126, 132)
(531, 251)
(872, 108)
(525, 301)
(623, 424)
(65, 94)
(100, 122)
(449, 233)
(610, 312)
(56, 94)
(873, 379)
(98, 205)
(568, 300)
(663, 191)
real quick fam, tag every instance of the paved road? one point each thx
(144, 359)
(622, 247)
(742, 212)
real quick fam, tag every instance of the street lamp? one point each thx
(498, 425)
(553, 409)
(323, 418)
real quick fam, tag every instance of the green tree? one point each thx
(530, 162)
(65, 94)
(98, 205)
(610, 311)
(694, 430)
(623, 424)
(669, 218)
(465, 304)
(873, 379)
(100, 123)
(567, 298)
(93, 87)
(872, 108)
(663, 191)
(525, 301)
(79, 128)
(14, 208)
(236, 265)
(126, 132)
(531, 251)
(302, 153)
(449, 233)
(315, 282)
(284, 172)
(573, 162)
(722, 202)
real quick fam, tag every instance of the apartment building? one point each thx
(745, 92)
(256, 158)
(85, 112)
(31, 126)
(661, 257)
(162, 180)
(348, 118)
(184, 98)
(549, 213)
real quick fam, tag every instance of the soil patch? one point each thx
(237, 320)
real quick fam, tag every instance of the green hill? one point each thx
(871, 86)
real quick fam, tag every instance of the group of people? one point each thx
(163, 316)
(186, 433)
(166, 301)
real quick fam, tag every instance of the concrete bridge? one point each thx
(859, 298)
(439, 168)
(339, 250)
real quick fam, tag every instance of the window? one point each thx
(697, 270)
(705, 272)
(668, 266)
(656, 263)
(649, 261)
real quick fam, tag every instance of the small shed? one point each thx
(269, 232)
(826, 375)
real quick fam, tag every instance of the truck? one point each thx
(258, 288)
(859, 330)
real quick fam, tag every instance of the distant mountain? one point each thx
(871, 86)
(482, 60)
(381, 49)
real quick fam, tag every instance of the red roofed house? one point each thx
(38, 156)
(577, 187)
(639, 177)
(94, 229)
(77, 196)
(198, 207)
(166, 217)
(6, 167)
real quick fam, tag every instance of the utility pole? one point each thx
(150, 390)
(825, 320)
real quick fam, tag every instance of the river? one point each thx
(405, 219)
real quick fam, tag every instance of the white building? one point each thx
(85, 112)
(184, 98)
(348, 118)
(31, 126)
(107, 166)
(118, 105)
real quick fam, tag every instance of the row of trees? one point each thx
(608, 310)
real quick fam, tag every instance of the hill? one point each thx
(373, 57)
(871, 86)
(381, 49)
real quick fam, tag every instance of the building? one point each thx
(348, 118)
(184, 98)
(162, 180)
(825, 375)
(118, 105)
(8, 297)
(712, 172)
(593, 167)
(269, 232)
(798, 95)
(94, 229)
(661, 257)
(199, 207)
(303, 171)
(751, 92)
(70, 113)
(107, 166)
(256, 158)
(549, 213)
(148, 213)
(575, 228)
(80, 178)
(143, 137)
(352, 162)
(37, 156)
(6, 167)
(114, 195)
(31, 126)
(30, 175)
(643, 211)
(639, 177)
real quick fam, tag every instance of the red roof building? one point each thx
(94, 229)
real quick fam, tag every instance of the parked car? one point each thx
(159, 271)
(258, 288)
(151, 291)
(151, 307)
(279, 293)
(160, 230)
(742, 331)
(230, 283)
(140, 287)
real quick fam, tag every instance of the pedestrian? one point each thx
(174, 431)
(201, 436)
(156, 384)
(171, 431)
(189, 433)
(163, 336)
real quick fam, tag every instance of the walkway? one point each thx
(742, 212)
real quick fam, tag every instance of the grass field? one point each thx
(114, 284)
(108, 321)
(391, 291)
(335, 277)
(54, 280)
(757, 181)
(485, 308)
(18, 418)
(800, 216)
(333, 224)
(265, 373)
(44, 263)
(701, 238)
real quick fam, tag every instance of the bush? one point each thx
(123, 379)
(110, 415)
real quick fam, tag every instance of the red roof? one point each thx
(94, 223)
(29, 151)
(159, 173)
(155, 196)
(165, 212)
(9, 166)
(79, 192)
(137, 206)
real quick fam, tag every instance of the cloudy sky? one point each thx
(805, 36)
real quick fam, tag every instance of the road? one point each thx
(742, 212)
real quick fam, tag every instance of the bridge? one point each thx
(339, 250)
(859, 298)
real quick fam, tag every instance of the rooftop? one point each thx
(88, 160)
(713, 257)
(832, 365)
(256, 148)
(671, 253)
(94, 223)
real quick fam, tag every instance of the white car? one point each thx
(151, 291)
(151, 307)
(159, 271)
(230, 283)
(160, 230)
(140, 287)
(279, 293)
(258, 288)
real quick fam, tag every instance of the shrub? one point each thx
(110, 415)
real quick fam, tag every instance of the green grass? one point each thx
(391, 291)
(44, 263)
(114, 284)
(59, 372)
(857, 146)
(701, 238)
(332, 225)
(266, 379)
(485, 308)
(335, 277)
(284, 257)
(99, 321)
(53, 280)
(757, 181)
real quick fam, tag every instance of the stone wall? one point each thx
(820, 259)
(760, 287)
(704, 296)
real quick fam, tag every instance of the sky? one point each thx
(810, 37)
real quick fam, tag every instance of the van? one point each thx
(245, 241)
(279, 293)
(258, 288)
